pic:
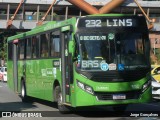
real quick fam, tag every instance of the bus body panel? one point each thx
(108, 87)
(39, 77)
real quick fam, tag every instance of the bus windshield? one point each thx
(108, 51)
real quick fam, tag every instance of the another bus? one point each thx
(91, 60)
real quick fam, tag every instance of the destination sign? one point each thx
(90, 22)
(92, 37)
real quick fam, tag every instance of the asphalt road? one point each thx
(10, 101)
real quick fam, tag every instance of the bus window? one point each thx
(44, 45)
(21, 49)
(132, 44)
(132, 49)
(55, 44)
(35, 47)
(28, 48)
(139, 46)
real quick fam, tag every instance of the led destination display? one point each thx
(98, 22)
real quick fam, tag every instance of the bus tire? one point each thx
(62, 108)
(24, 96)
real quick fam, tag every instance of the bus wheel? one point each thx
(62, 108)
(23, 92)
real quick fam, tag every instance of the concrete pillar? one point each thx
(38, 13)
(66, 15)
(80, 13)
(23, 12)
(135, 10)
(8, 11)
(52, 11)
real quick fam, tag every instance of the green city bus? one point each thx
(92, 60)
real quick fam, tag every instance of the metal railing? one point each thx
(34, 17)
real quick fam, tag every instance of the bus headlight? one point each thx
(146, 85)
(85, 87)
(80, 85)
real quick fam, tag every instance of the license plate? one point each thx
(119, 97)
(156, 92)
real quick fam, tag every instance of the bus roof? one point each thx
(53, 24)
(45, 27)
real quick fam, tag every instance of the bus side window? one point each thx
(28, 48)
(44, 42)
(21, 49)
(55, 44)
(35, 47)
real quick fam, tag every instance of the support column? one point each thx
(135, 10)
(52, 13)
(23, 13)
(80, 13)
(38, 13)
(8, 11)
(66, 15)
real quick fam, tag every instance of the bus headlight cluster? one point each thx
(85, 87)
(146, 85)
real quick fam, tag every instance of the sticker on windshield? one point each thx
(120, 67)
(104, 66)
(92, 37)
(112, 66)
(111, 36)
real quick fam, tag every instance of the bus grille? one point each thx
(109, 96)
(116, 76)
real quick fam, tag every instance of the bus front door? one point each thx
(66, 67)
(15, 65)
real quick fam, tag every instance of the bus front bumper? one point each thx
(83, 98)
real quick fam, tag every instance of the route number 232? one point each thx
(93, 23)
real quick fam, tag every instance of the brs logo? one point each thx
(92, 63)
